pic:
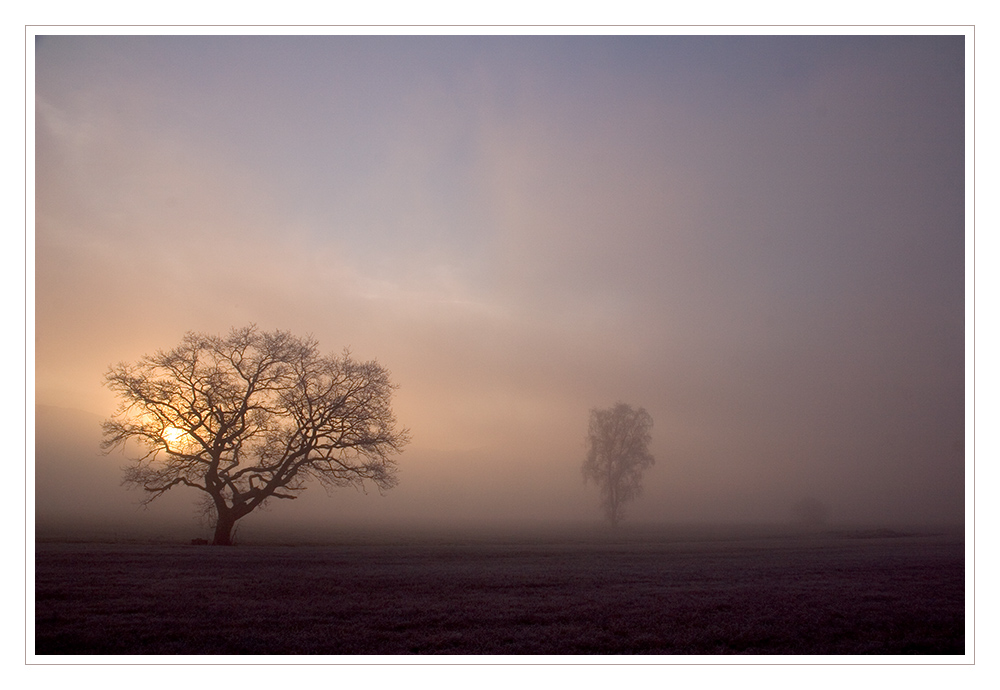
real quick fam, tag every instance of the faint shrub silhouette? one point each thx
(810, 511)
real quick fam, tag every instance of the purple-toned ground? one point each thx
(642, 592)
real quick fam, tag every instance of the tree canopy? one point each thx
(253, 416)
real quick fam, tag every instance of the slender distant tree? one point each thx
(617, 454)
(250, 417)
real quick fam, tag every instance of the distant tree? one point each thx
(617, 454)
(250, 417)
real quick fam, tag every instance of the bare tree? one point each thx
(250, 417)
(617, 454)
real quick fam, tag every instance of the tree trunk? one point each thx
(224, 529)
(615, 510)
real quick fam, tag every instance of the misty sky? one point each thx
(761, 240)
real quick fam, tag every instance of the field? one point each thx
(662, 592)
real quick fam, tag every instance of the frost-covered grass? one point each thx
(648, 593)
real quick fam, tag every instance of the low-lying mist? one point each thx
(79, 497)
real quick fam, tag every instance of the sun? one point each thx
(174, 437)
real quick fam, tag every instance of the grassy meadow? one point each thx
(676, 591)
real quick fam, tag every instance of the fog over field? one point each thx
(761, 240)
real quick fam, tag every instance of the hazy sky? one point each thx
(761, 240)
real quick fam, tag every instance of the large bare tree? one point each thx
(253, 416)
(617, 454)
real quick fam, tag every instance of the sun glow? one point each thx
(175, 438)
